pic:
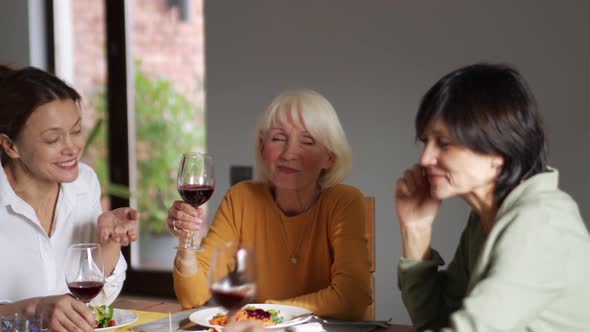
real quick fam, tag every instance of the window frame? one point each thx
(119, 102)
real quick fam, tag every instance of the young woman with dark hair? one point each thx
(521, 264)
(49, 200)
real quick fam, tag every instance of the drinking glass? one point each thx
(196, 182)
(85, 270)
(232, 277)
(19, 322)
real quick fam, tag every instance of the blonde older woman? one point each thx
(307, 228)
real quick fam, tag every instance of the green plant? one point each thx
(167, 124)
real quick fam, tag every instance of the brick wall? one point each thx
(164, 45)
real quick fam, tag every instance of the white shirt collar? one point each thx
(12, 202)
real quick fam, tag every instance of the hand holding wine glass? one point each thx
(85, 270)
(232, 277)
(196, 183)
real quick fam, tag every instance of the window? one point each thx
(140, 68)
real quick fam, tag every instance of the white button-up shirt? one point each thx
(33, 264)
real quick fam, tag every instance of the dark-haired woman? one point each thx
(522, 261)
(48, 201)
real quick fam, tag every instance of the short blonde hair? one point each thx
(320, 120)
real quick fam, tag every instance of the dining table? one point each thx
(173, 316)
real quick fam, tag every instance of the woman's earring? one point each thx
(493, 164)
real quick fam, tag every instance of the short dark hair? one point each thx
(22, 91)
(489, 109)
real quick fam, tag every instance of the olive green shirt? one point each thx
(532, 272)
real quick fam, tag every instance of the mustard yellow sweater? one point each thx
(331, 276)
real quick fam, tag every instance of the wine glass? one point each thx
(196, 182)
(232, 277)
(85, 270)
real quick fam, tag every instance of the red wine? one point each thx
(195, 194)
(232, 300)
(258, 313)
(85, 290)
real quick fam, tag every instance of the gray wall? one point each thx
(374, 60)
(22, 33)
(14, 32)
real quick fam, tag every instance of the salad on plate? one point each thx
(103, 316)
(265, 317)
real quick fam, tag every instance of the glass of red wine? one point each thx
(232, 277)
(196, 182)
(85, 270)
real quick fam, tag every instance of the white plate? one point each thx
(203, 316)
(122, 318)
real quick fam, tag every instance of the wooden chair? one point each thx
(370, 233)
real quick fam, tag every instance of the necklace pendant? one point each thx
(293, 260)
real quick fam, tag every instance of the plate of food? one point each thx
(272, 316)
(108, 318)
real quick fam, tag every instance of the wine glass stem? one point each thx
(189, 243)
(231, 316)
(193, 241)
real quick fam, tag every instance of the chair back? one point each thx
(370, 233)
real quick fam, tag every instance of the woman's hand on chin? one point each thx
(416, 210)
(118, 226)
(414, 203)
